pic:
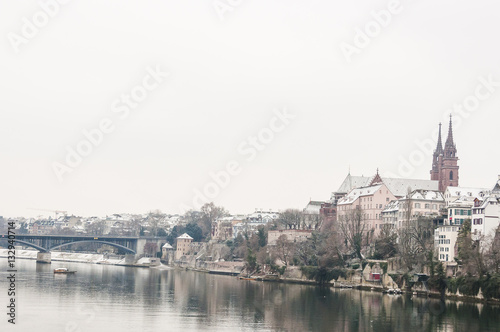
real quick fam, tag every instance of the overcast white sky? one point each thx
(227, 78)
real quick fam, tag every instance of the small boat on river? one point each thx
(63, 270)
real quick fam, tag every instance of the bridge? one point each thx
(46, 243)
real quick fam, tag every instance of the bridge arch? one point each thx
(28, 244)
(94, 241)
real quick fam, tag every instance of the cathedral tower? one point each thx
(445, 161)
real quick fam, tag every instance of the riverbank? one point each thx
(88, 258)
(289, 278)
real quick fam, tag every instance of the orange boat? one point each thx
(63, 270)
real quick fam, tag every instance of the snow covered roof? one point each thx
(351, 182)
(399, 187)
(465, 191)
(463, 201)
(393, 206)
(185, 236)
(167, 246)
(485, 201)
(359, 192)
(427, 195)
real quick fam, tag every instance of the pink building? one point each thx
(378, 192)
(371, 200)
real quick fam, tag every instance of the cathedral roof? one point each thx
(352, 182)
(399, 187)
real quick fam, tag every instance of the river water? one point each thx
(114, 298)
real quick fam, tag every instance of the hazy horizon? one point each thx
(283, 98)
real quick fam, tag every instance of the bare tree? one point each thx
(415, 236)
(353, 228)
(291, 218)
(385, 244)
(210, 213)
(284, 249)
(97, 228)
(493, 254)
(470, 253)
(150, 249)
(154, 218)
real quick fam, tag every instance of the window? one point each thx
(451, 175)
(427, 206)
(417, 205)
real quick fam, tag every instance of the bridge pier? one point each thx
(130, 259)
(43, 257)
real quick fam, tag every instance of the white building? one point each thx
(390, 215)
(445, 238)
(454, 193)
(424, 203)
(460, 210)
(485, 218)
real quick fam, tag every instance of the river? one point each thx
(115, 298)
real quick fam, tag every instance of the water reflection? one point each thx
(111, 298)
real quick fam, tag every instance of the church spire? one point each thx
(445, 162)
(449, 141)
(439, 148)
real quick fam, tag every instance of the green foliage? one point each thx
(251, 261)
(191, 229)
(24, 228)
(161, 232)
(385, 244)
(384, 267)
(466, 285)
(194, 231)
(321, 274)
(355, 266)
(437, 280)
(490, 286)
(262, 235)
(279, 269)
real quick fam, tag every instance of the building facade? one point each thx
(485, 218)
(183, 245)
